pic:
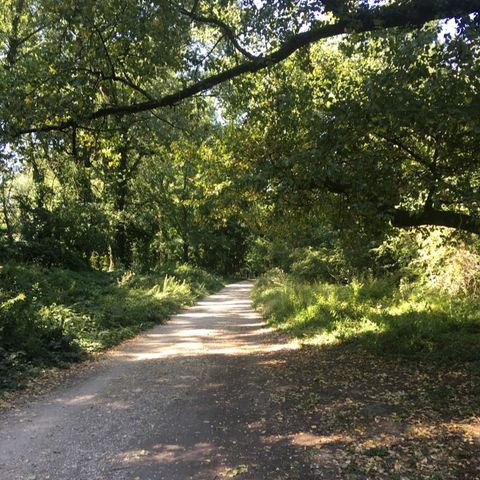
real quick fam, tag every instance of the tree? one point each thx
(385, 122)
(73, 81)
(109, 169)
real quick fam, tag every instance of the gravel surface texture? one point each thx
(193, 398)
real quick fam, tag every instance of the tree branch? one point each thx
(402, 218)
(410, 151)
(224, 28)
(460, 221)
(129, 83)
(412, 14)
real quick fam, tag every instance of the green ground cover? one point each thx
(50, 317)
(374, 314)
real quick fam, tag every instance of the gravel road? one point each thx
(191, 399)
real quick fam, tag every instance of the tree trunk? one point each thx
(186, 252)
(119, 248)
(6, 216)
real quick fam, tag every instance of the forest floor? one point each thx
(215, 394)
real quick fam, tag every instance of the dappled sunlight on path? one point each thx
(165, 404)
(207, 329)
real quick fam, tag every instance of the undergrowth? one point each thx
(51, 316)
(377, 314)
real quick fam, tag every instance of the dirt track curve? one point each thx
(194, 398)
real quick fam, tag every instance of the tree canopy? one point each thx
(93, 61)
(142, 131)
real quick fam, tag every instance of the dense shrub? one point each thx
(328, 264)
(47, 252)
(451, 266)
(438, 258)
(375, 314)
(326, 261)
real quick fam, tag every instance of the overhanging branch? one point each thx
(430, 216)
(226, 30)
(412, 14)
(402, 218)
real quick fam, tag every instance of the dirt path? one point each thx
(214, 394)
(184, 400)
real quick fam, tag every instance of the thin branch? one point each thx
(170, 124)
(105, 49)
(129, 83)
(224, 28)
(207, 55)
(412, 153)
(109, 60)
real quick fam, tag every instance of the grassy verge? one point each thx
(375, 315)
(52, 317)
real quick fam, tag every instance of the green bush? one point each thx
(439, 258)
(326, 264)
(47, 252)
(52, 316)
(374, 313)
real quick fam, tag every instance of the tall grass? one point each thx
(374, 314)
(52, 316)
